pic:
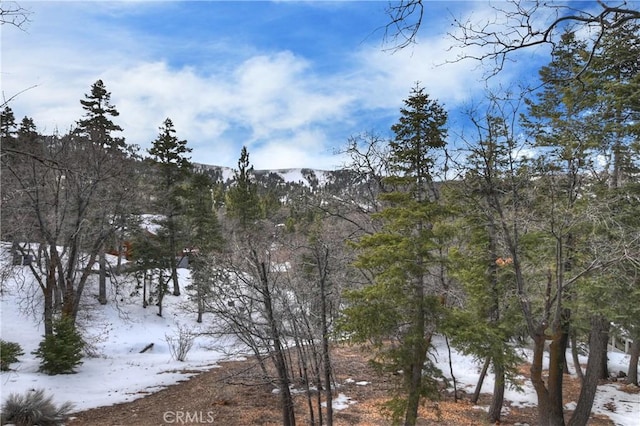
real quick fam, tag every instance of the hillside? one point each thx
(285, 182)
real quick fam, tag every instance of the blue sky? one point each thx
(292, 81)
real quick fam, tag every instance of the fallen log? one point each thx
(146, 348)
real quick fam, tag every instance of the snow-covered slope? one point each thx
(117, 333)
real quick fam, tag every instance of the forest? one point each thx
(521, 230)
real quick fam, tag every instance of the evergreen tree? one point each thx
(97, 125)
(569, 131)
(565, 134)
(7, 124)
(616, 80)
(169, 155)
(27, 130)
(205, 238)
(402, 303)
(489, 318)
(61, 352)
(242, 200)
(9, 353)
(609, 297)
(97, 128)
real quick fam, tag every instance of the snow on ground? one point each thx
(120, 373)
(340, 402)
(118, 332)
(466, 371)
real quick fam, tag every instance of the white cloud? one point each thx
(290, 110)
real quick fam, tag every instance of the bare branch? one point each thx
(6, 101)
(522, 25)
(13, 14)
(406, 19)
(516, 25)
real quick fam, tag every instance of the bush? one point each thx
(9, 353)
(61, 351)
(181, 344)
(34, 408)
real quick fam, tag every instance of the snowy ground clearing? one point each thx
(118, 333)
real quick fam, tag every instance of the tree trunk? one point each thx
(453, 377)
(598, 339)
(199, 319)
(549, 414)
(557, 350)
(303, 360)
(498, 393)
(102, 287)
(565, 364)
(634, 354)
(173, 262)
(328, 389)
(418, 353)
(604, 368)
(288, 414)
(483, 373)
(162, 288)
(200, 301)
(575, 356)
(50, 285)
(145, 278)
(326, 359)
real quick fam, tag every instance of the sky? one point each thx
(291, 81)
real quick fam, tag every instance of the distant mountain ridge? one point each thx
(290, 184)
(312, 178)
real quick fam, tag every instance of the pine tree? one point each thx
(490, 317)
(169, 155)
(569, 130)
(616, 80)
(97, 125)
(97, 128)
(565, 134)
(7, 124)
(61, 352)
(242, 200)
(9, 353)
(27, 131)
(205, 238)
(403, 301)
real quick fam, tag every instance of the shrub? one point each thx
(61, 351)
(180, 344)
(34, 408)
(9, 353)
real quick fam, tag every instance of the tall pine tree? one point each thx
(242, 200)
(205, 238)
(97, 124)
(402, 303)
(169, 155)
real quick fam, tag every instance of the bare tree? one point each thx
(516, 25)
(247, 302)
(522, 24)
(65, 191)
(13, 14)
